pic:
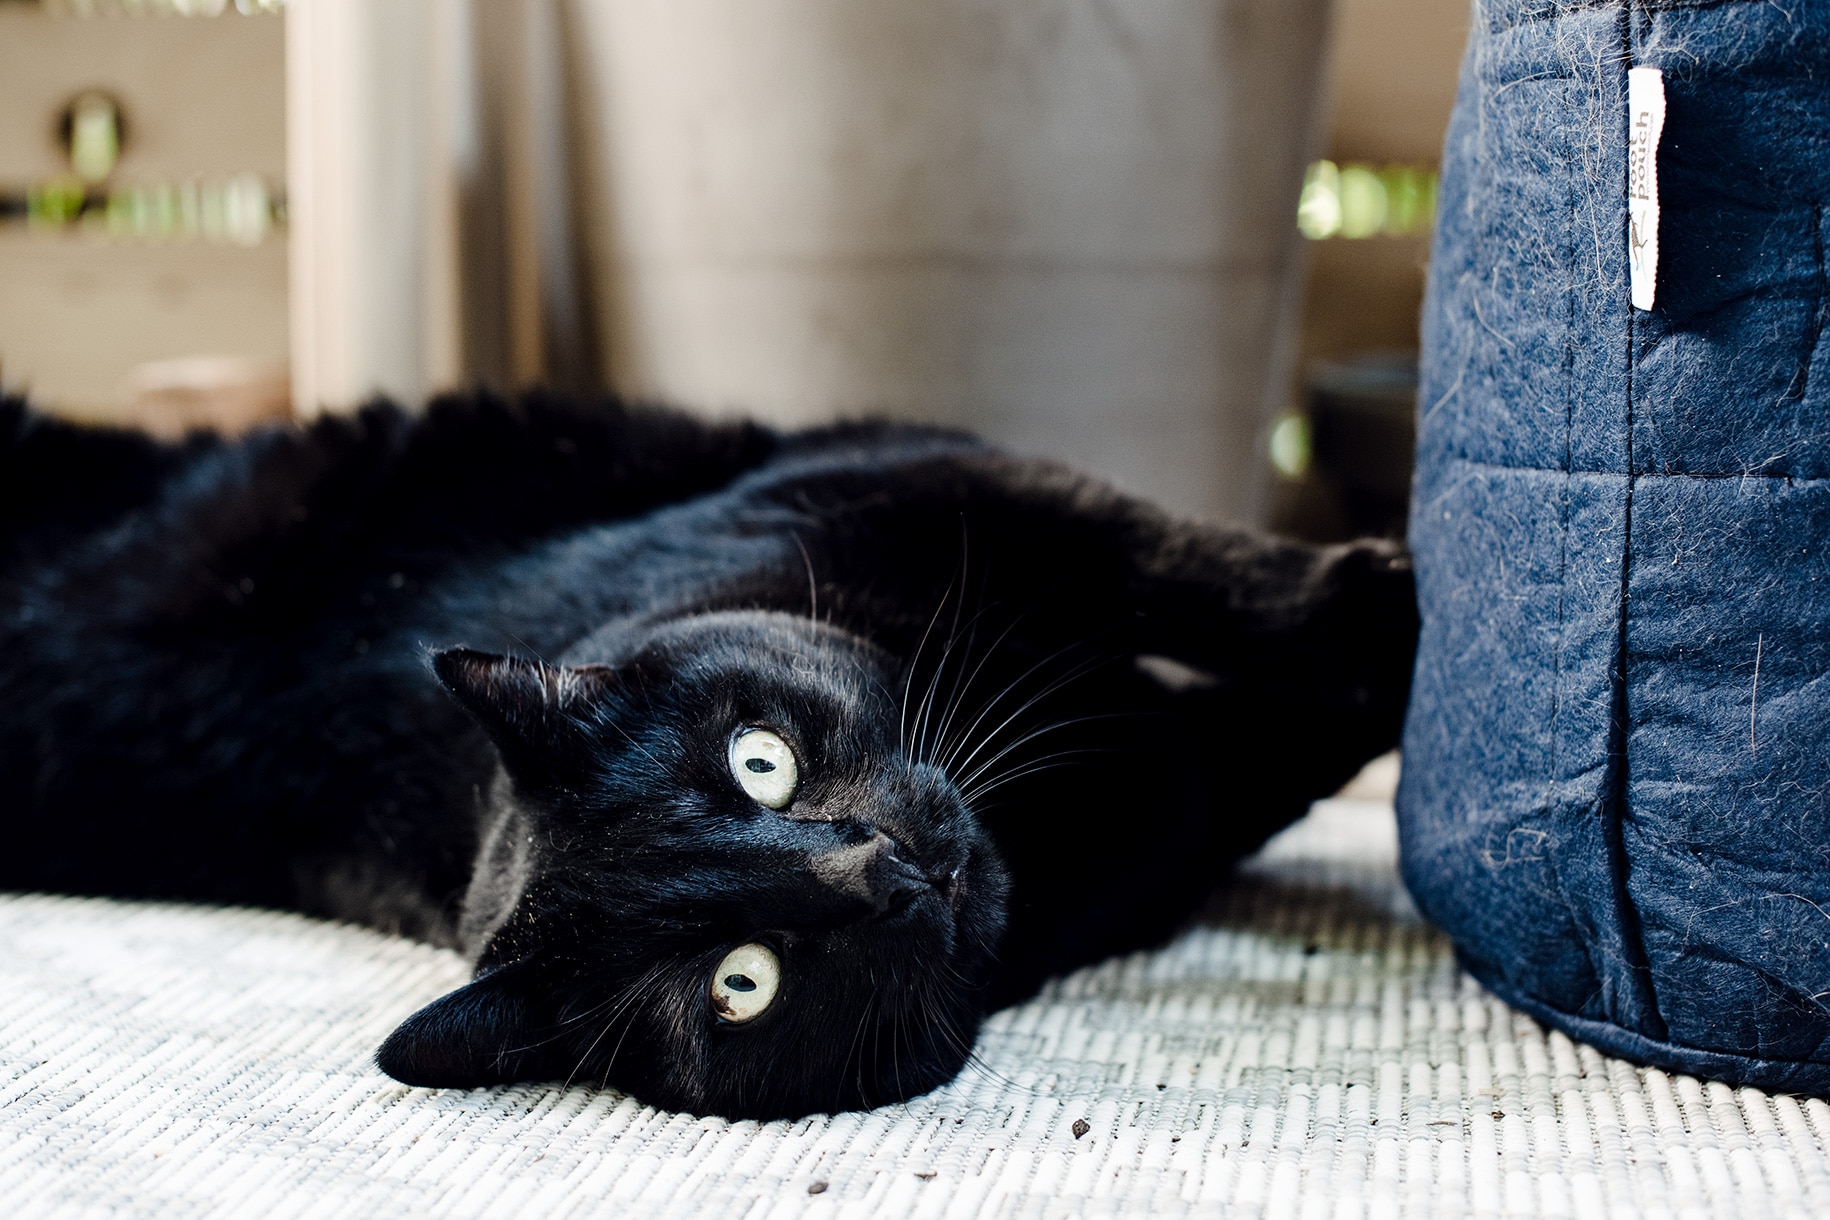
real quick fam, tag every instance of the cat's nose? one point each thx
(873, 869)
(897, 882)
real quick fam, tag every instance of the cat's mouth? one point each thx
(949, 885)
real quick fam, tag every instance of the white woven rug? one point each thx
(1310, 1051)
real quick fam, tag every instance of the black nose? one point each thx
(871, 866)
(898, 882)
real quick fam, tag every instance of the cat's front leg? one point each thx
(1310, 649)
(1301, 653)
(1322, 626)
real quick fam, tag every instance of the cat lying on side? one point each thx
(751, 769)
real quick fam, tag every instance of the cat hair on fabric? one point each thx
(750, 769)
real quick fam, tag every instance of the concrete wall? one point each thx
(1066, 223)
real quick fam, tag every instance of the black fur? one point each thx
(1034, 718)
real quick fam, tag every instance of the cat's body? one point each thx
(217, 683)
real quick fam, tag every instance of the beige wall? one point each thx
(1393, 65)
(78, 315)
(201, 97)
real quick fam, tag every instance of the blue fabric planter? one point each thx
(1616, 793)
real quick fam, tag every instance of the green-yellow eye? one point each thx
(764, 767)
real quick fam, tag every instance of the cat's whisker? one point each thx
(625, 1002)
(925, 719)
(640, 748)
(616, 1050)
(1079, 671)
(525, 646)
(609, 1022)
(956, 699)
(876, 1043)
(964, 777)
(1073, 674)
(920, 743)
(896, 1051)
(1009, 688)
(977, 1063)
(943, 1023)
(908, 679)
(917, 751)
(561, 1030)
(961, 681)
(969, 781)
(621, 1038)
(987, 769)
(855, 1048)
(1047, 762)
(813, 587)
(1022, 767)
(950, 704)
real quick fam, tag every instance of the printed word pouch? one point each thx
(1616, 792)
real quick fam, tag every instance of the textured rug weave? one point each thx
(1309, 1050)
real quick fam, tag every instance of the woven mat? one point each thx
(1309, 1050)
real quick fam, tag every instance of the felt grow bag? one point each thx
(1616, 793)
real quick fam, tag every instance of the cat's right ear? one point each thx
(531, 710)
(486, 1032)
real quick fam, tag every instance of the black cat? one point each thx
(763, 765)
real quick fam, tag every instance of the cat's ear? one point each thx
(530, 709)
(486, 1032)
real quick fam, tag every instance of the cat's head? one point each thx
(711, 877)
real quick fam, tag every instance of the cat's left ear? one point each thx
(487, 1032)
(530, 709)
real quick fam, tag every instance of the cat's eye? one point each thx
(745, 983)
(764, 767)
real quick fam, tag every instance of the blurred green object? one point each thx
(55, 203)
(1358, 201)
(1292, 445)
(242, 210)
(93, 135)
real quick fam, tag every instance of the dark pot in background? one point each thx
(1355, 478)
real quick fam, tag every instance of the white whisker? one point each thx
(1073, 675)
(948, 746)
(908, 680)
(982, 768)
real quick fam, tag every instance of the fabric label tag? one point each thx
(1646, 114)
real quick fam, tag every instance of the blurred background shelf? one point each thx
(94, 310)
